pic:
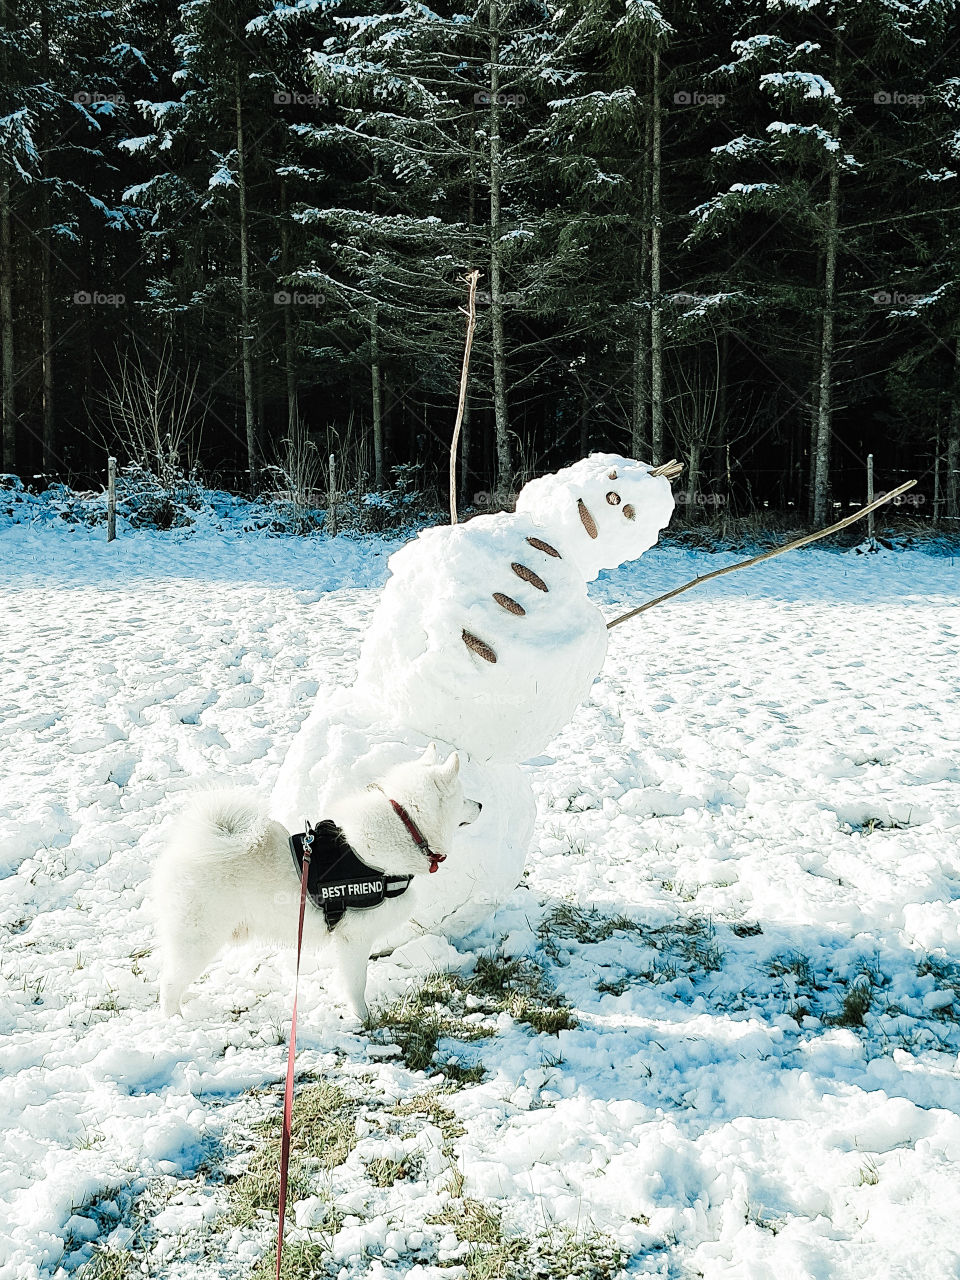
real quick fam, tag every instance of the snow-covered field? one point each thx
(766, 782)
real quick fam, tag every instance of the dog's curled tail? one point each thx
(220, 824)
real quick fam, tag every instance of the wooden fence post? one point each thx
(332, 499)
(111, 499)
(870, 537)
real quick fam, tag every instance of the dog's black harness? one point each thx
(338, 878)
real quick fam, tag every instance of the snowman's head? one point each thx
(601, 512)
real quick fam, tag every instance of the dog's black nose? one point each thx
(466, 822)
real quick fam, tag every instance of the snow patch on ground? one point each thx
(755, 816)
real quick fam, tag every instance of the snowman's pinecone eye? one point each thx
(611, 475)
(628, 511)
(613, 498)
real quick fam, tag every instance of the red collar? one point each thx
(419, 839)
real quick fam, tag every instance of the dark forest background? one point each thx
(233, 237)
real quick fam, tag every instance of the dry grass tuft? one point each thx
(441, 1007)
(323, 1135)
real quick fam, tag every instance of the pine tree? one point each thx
(214, 156)
(806, 169)
(55, 135)
(591, 270)
(438, 106)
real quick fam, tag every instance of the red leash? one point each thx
(435, 859)
(292, 1052)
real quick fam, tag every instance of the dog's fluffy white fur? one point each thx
(227, 874)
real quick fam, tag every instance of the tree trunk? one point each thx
(8, 421)
(472, 183)
(7, 401)
(465, 455)
(246, 335)
(290, 369)
(289, 323)
(811, 431)
(953, 442)
(692, 486)
(723, 376)
(810, 426)
(50, 459)
(788, 485)
(638, 417)
(376, 396)
(656, 336)
(260, 389)
(584, 418)
(46, 274)
(501, 424)
(821, 491)
(640, 423)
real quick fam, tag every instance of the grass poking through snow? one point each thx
(323, 1135)
(688, 948)
(430, 1106)
(451, 1006)
(383, 1172)
(302, 1260)
(493, 1255)
(111, 1264)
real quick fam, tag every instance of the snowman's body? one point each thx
(484, 640)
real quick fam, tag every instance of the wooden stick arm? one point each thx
(766, 555)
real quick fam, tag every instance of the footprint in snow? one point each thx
(241, 695)
(190, 712)
(122, 771)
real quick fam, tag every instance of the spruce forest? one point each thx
(234, 237)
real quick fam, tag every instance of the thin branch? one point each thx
(767, 555)
(899, 217)
(471, 314)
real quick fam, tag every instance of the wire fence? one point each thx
(748, 491)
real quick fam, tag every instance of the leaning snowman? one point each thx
(484, 641)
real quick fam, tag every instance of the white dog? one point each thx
(230, 873)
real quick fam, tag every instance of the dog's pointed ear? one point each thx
(448, 772)
(430, 755)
